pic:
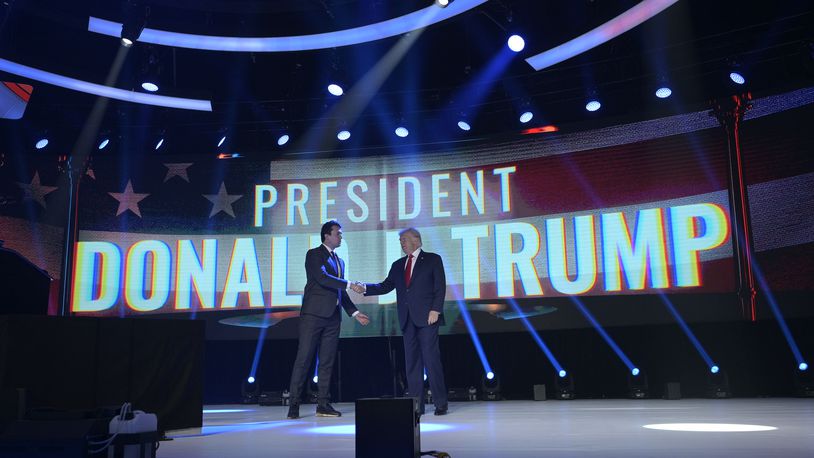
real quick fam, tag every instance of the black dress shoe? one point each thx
(440, 411)
(294, 411)
(326, 410)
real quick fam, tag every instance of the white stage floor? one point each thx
(592, 428)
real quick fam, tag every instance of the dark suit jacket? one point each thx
(428, 286)
(323, 286)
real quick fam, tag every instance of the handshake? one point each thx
(358, 287)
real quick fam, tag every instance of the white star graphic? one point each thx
(222, 202)
(128, 200)
(35, 191)
(177, 170)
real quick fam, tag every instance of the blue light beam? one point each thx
(688, 332)
(537, 338)
(474, 335)
(604, 334)
(764, 286)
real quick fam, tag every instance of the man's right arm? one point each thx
(375, 289)
(315, 268)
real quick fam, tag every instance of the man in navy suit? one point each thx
(325, 292)
(420, 285)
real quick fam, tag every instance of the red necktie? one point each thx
(408, 270)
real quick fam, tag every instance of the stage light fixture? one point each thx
(343, 135)
(312, 392)
(402, 132)
(663, 92)
(803, 381)
(637, 386)
(221, 141)
(490, 387)
(718, 384)
(737, 77)
(335, 89)
(159, 144)
(283, 139)
(41, 143)
(249, 391)
(564, 383)
(516, 43)
(135, 16)
(463, 125)
(593, 105)
(148, 86)
(103, 144)
(526, 116)
(443, 3)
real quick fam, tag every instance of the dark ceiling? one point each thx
(451, 68)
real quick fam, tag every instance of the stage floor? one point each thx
(593, 428)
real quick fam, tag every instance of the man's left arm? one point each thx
(439, 286)
(351, 310)
(439, 291)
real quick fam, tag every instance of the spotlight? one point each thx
(593, 105)
(221, 141)
(283, 139)
(335, 89)
(104, 143)
(312, 391)
(463, 125)
(159, 143)
(565, 386)
(803, 381)
(718, 384)
(637, 386)
(663, 92)
(516, 43)
(135, 15)
(315, 379)
(343, 135)
(526, 116)
(148, 86)
(249, 391)
(41, 143)
(443, 3)
(737, 78)
(490, 387)
(402, 132)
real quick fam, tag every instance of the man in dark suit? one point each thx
(420, 285)
(320, 319)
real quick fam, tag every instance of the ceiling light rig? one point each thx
(135, 17)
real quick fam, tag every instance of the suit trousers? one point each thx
(421, 351)
(316, 333)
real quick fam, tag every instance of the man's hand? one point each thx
(358, 287)
(362, 319)
(433, 317)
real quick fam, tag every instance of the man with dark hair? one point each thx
(420, 285)
(320, 319)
